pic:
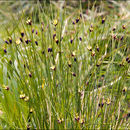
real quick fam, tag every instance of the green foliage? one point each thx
(64, 71)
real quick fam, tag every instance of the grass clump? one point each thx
(65, 71)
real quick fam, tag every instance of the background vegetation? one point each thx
(64, 65)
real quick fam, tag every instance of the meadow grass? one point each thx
(62, 70)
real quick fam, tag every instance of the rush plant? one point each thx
(62, 70)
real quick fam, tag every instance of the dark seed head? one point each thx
(30, 75)
(6, 42)
(87, 83)
(22, 34)
(124, 89)
(89, 48)
(36, 32)
(123, 26)
(103, 20)
(22, 96)
(49, 49)
(69, 64)
(127, 58)
(82, 121)
(31, 110)
(59, 121)
(54, 35)
(80, 39)
(75, 59)
(71, 41)
(122, 38)
(28, 127)
(29, 22)
(97, 65)
(77, 20)
(114, 29)
(120, 65)
(55, 22)
(36, 43)
(77, 117)
(57, 41)
(21, 39)
(73, 54)
(98, 49)
(101, 104)
(26, 41)
(80, 15)
(6, 88)
(32, 30)
(73, 22)
(74, 74)
(42, 52)
(10, 40)
(91, 29)
(10, 62)
(115, 37)
(5, 51)
(103, 75)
